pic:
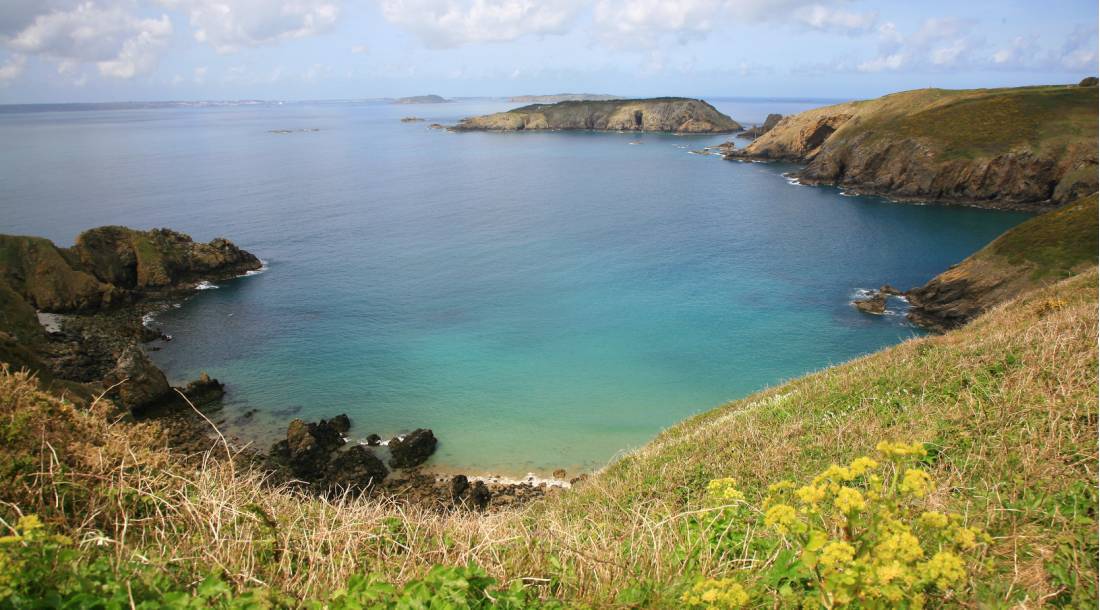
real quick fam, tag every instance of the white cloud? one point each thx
(200, 75)
(940, 43)
(120, 44)
(1079, 50)
(229, 25)
(451, 23)
(360, 49)
(644, 23)
(12, 68)
(821, 17)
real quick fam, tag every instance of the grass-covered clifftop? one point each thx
(1038, 252)
(1003, 413)
(1024, 147)
(664, 114)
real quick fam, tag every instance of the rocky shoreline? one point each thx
(80, 318)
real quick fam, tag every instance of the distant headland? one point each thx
(663, 114)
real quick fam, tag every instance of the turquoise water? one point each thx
(540, 300)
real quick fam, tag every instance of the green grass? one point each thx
(986, 122)
(1056, 243)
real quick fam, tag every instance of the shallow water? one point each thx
(540, 300)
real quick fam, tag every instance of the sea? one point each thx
(540, 300)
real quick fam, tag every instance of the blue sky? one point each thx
(116, 50)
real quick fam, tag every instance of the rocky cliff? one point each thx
(1041, 251)
(1024, 148)
(670, 114)
(107, 268)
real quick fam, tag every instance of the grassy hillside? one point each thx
(1024, 147)
(1040, 251)
(1003, 414)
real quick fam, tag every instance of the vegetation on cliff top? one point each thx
(1042, 250)
(1003, 411)
(1020, 147)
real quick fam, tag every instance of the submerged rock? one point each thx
(412, 449)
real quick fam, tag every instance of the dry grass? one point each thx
(1010, 403)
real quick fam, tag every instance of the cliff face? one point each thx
(1024, 148)
(108, 266)
(1040, 251)
(678, 115)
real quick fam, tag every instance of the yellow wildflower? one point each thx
(916, 483)
(810, 494)
(892, 450)
(944, 569)
(861, 465)
(29, 523)
(933, 519)
(716, 594)
(783, 518)
(902, 546)
(966, 537)
(781, 486)
(724, 490)
(849, 500)
(834, 473)
(836, 555)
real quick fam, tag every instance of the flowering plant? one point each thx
(855, 536)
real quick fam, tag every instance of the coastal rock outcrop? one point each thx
(204, 390)
(756, 131)
(677, 115)
(412, 449)
(313, 452)
(1038, 252)
(1027, 148)
(136, 382)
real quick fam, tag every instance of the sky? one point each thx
(143, 50)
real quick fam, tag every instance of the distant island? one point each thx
(1025, 148)
(663, 114)
(422, 99)
(563, 97)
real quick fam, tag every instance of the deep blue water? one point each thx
(540, 300)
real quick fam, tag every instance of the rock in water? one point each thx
(374, 440)
(342, 423)
(204, 390)
(356, 469)
(139, 383)
(875, 304)
(413, 449)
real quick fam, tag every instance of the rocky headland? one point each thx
(668, 114)
(1027, 148)
(1039, 252)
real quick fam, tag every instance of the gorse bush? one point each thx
(855, 536)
